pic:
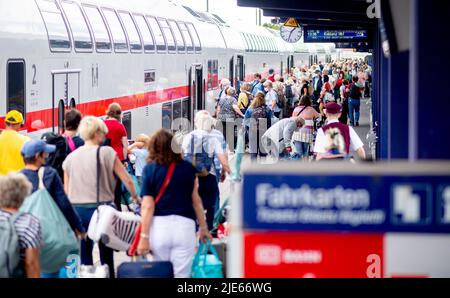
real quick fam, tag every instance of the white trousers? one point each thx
(173, 238)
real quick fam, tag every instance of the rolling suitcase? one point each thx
(145, 269)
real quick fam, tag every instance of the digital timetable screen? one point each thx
(333, 35)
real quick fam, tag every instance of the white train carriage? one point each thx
(160, 61)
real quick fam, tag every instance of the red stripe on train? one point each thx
(42, 119)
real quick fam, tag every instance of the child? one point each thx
(139, 150)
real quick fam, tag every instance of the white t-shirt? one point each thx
(321, 140)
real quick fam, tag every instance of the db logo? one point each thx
(268, 255)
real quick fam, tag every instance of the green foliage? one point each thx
(272, 26)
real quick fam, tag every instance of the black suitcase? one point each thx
(145, 269)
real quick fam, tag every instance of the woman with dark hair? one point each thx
(72, 120)
(304, 137)
(168, 225)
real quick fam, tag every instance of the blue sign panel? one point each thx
(335, 35)
(347, 203)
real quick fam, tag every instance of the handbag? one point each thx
(133, 247)
(113, 228)
(59, 241)
(207, 265)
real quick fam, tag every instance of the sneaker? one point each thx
(357, 124)
(352, 124)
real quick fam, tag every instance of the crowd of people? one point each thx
(318, 95)
(172, 180)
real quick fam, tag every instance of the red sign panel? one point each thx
(312, 255)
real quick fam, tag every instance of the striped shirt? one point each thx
(28, 230)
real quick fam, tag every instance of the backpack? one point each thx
(288, 91)
(202, 161)
(9, 247)
(59, 240)
(56, 159)
(281, 101)
(355, 92)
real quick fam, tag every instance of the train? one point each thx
(159, 60)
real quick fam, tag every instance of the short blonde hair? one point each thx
(89, 126)
(245, 87)
(143, 138)
(231, 91)
(204, 121)
(14, 188)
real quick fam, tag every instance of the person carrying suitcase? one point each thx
(168, 224)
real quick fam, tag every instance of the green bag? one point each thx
(207, 265)
(59, 241)
(126, 195)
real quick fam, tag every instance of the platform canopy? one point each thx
(343, 13)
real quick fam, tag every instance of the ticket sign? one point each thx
(379, 198)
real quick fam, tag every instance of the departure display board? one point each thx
(335, 35)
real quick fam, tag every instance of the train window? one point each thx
(213, 74)
(187, 37)
(186, 109)
(149, 43)
(167, 115)
(55, 25)
(267, 40)
(195, 37)
(101, 36)
(77, 23)
(247, 43)
(16, 86)
(176, 114)
(261, 42)
(118, 35)
(157, 33)
(178, 37)
(171, 45)
(133, 35)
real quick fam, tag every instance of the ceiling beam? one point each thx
(307, 15)
(347, 6)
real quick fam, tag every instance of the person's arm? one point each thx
(61, 199)
(120, 171)
(32, 263)
(136, 145)
(237, 110)
(200, 214)
(361, 153)
(66, 183)
(288, 132)
(147, 211)
(125, 146)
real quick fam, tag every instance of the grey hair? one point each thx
(14, 188)
(335, 140)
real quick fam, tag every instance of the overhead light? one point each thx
(328, 20)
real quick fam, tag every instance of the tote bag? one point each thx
(207, 265)
(59, 241)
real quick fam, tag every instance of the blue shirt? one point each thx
(141, 160)
(256, 88)
(177, 198)
(54, 186)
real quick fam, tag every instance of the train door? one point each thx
(239, 72)
(196, 89)
(65, 94)
(231, 68)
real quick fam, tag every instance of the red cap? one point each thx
(333, 108)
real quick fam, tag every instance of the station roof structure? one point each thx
(342, 13)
